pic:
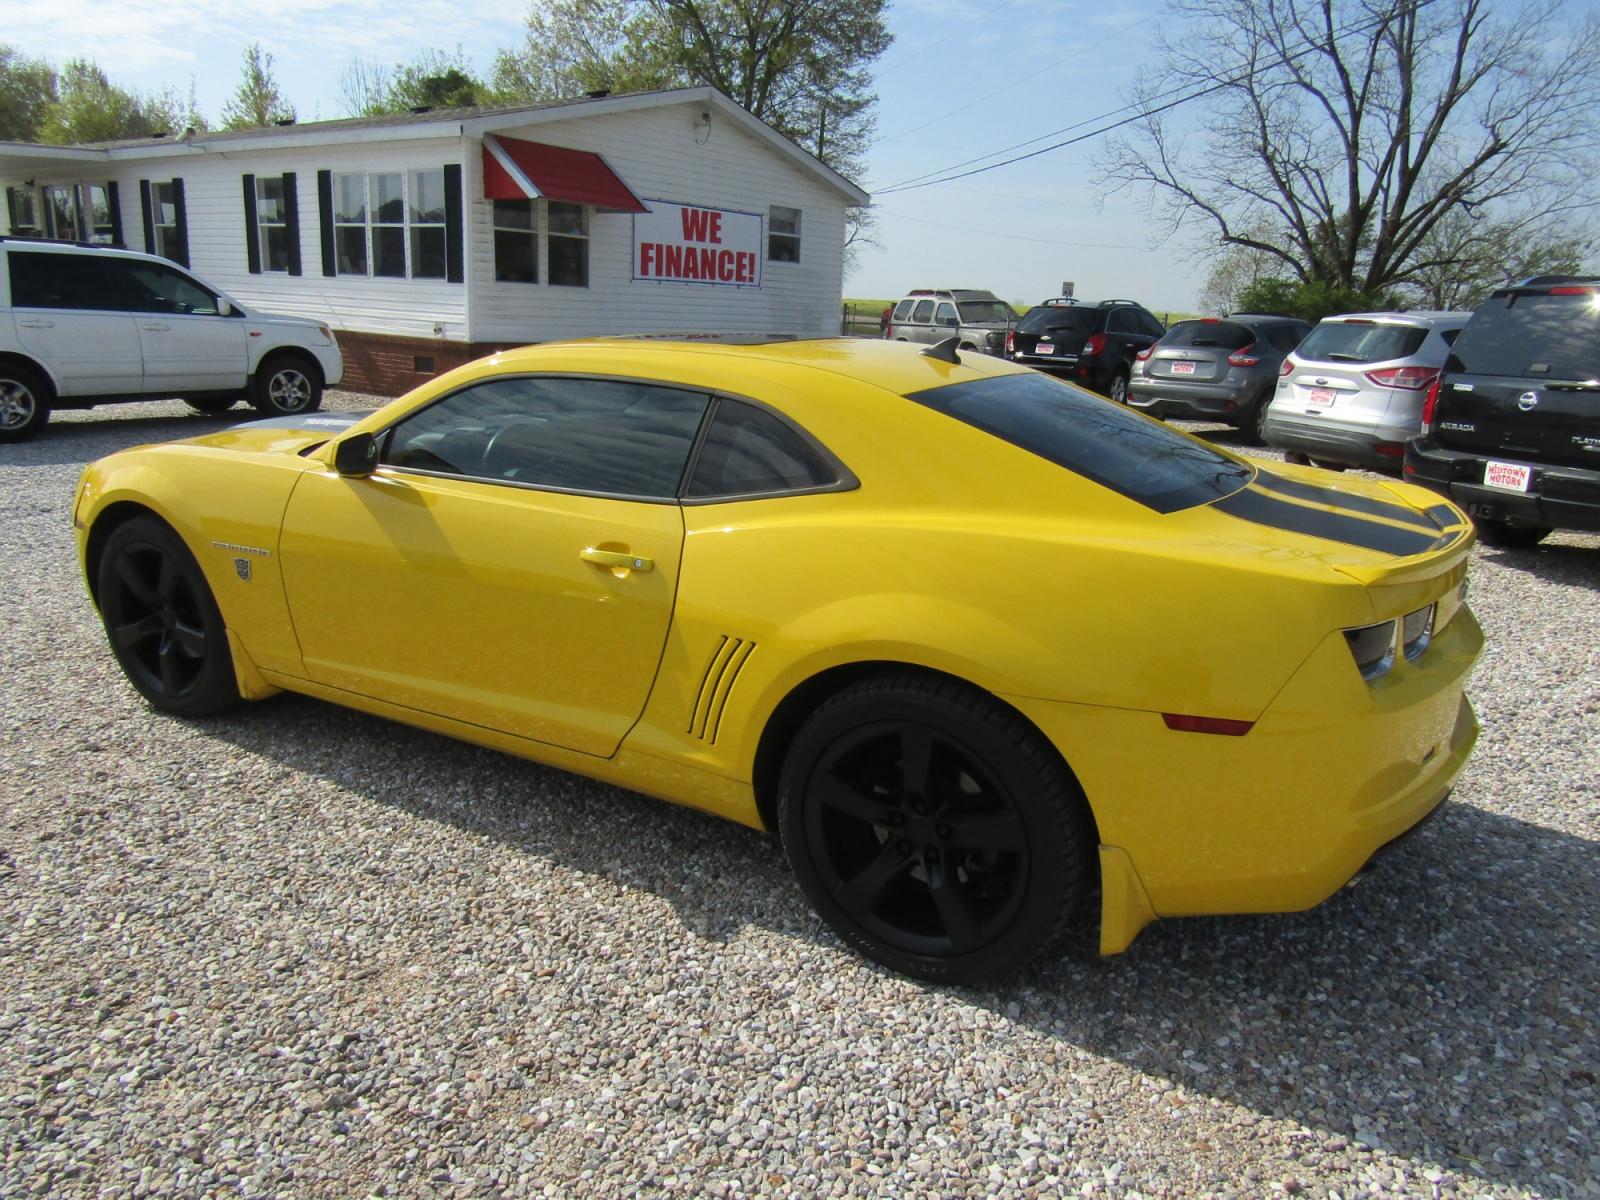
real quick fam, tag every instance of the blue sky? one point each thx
(964, 77)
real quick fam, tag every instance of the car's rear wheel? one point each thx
(286, 385)
(1510, 535)
(1254, 426)
(24, 402)
(1119, 387)
(212, 405)
(935, 830)
(163, 622)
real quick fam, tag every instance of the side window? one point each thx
(427, 224)
(575, 435)
(748, 451)
(1285, 337)
(516, 242)
(1118, 320)
(350, 224)
(389, 224)
(923, 312)
(22, 211)
(59, 281)
(902, 311)
(946, 315)
(155, 288)
(1152, 326)
(568, 244)
(783, 234)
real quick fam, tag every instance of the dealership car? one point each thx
(1511, 427)
(978, 320)
(1093, 343)
(982, 647)
(1351, 394)
(1215, 369)
(84, 325)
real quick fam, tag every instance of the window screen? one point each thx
(581, 435)
(749, 451)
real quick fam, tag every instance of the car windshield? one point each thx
(1060, 317)
(1091, 436)
(985, 312)
(1224, 335)
(1533, 335)
(1360, 342)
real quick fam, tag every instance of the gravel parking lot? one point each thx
(301, 952)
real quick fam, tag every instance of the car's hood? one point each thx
(282, 435)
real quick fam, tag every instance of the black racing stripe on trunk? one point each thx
(1444, 514)
(1335, 498)
(1251, 505)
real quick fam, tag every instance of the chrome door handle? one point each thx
(616, 561)
(37, 324)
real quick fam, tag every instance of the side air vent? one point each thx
(715, 685)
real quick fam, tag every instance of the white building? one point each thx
(430, 238)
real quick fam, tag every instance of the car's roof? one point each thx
(1425, 319)
(60, 244)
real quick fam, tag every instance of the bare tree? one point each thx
(364, 88)
(1348, 130)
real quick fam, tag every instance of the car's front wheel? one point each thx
(286, 385)
(163, 622)
(24, 403)
(1510, 535)
(935, 830)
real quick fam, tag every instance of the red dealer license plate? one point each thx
(1183, 368)
(1320, 398)
(1045, 348)
(1511, 476)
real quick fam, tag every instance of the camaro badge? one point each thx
(242, 565)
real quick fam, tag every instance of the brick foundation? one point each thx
(382, 365)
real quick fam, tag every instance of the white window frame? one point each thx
(774, 235)
(530, 231)
(163, 198)
(263, 224)
(543, 236)
(365, 224)
(407, 224)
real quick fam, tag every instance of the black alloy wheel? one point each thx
(935, 830)
(162, 621)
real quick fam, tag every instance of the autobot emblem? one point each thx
(1527, 400)
(242, 565)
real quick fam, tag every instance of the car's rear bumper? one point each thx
(1283, 817)
(1560, 497)
(1197, 401)
(1378, 448)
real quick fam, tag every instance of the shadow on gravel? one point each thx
(1572, 559)
(1443, 1009)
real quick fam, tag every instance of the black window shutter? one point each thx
(454, 226)
(11, 209)
(330, 264)
(182, 217)
(149, 217)
(252, 243)
(115, 203)
(291, 218)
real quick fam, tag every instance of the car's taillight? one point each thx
(1574, 291)
(1011, 340)
(1287, 368)
(1242, 357)
(1413, 379)
(1095, 345)
(1373, 648)
(1430, 403)
(1145, 354)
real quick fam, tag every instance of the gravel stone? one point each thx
(300, 952)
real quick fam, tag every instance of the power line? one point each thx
(1136, 111)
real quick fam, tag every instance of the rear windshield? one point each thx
(1535, 336)
(1091, 436)
(1079, 320)
(977, 312)
(1360, 342)
(1224, 335)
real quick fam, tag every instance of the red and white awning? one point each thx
(518, 170)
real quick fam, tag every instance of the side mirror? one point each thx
(356, 457)
(224, 307)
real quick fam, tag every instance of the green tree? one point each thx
(90, 108)
(27, 91)
(256, 103)
(1464, 258)
(1311, 300)
(432, 80)
(578, 46)
(1350, 130)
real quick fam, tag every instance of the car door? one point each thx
(188, 345)
(511, 563)
(70, 314)
(921, 327)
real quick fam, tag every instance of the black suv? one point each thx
(1093, 343)
(1511, 429)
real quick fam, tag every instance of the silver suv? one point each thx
(83, 325)
(1351, 394)
(980, 319)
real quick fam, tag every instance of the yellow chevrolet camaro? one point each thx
(987, 651)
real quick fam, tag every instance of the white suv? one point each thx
(84, 325)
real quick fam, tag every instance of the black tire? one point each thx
(1254, 426)
(286, 385)
(212, 405)
(874, 846)
(1510, 535)
(24, 402)
(162, 621)
(1119, 387)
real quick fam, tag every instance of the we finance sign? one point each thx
(686, 243)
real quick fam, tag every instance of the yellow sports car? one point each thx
(984, 649)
